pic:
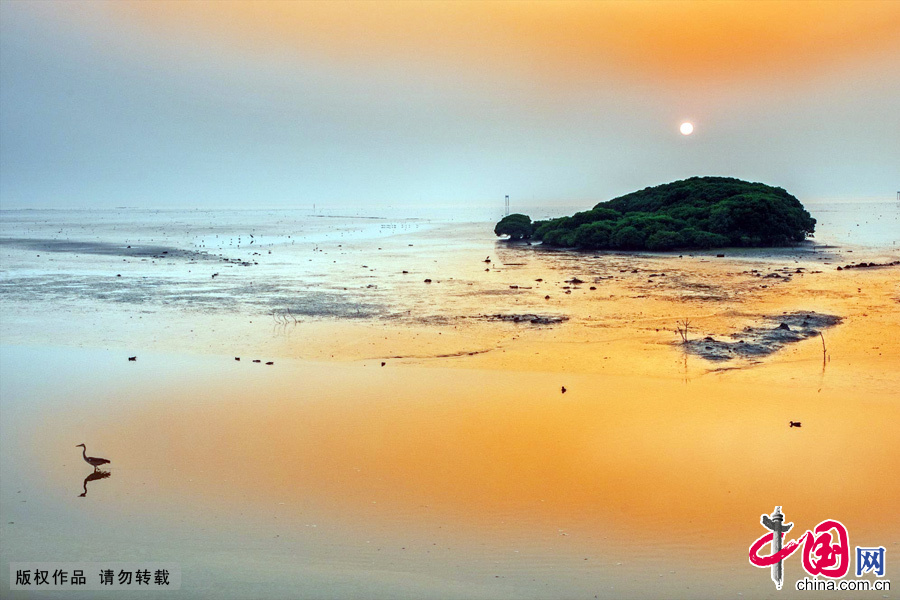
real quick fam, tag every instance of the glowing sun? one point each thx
(687, 128)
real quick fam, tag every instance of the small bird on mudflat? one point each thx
(92, 460)
(795, 424)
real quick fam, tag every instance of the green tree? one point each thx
(700, 212)
(516, 226)
(664, 240)
(628, 238)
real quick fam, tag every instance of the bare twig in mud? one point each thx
(682, 329)
(824, 351)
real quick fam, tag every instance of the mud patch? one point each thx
(113, 249)
(533, 319)
(774, 333)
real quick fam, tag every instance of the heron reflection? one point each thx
(93, 477)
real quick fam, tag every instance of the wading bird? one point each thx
(92, 460)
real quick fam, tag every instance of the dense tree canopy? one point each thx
(700, 212)
(516, 226)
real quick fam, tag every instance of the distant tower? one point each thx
(507, 203)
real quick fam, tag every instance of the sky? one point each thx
(369, 104)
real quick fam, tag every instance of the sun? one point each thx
(687, 128)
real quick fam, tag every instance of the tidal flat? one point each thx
(411, 436)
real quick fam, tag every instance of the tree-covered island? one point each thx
(700, 212)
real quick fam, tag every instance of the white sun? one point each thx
(687, 128)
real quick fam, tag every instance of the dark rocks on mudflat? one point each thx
(870, 265)
(772, 334)
(527, 318)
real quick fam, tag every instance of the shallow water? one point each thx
(490, 480)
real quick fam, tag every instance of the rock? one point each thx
(754, 342)
(720, 256)
(527, 318)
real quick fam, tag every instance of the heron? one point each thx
(92, 460)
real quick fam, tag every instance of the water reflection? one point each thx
(93, 477)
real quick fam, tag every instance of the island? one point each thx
(699, 212)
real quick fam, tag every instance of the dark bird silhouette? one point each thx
(132, 358)
(563, 390)
(795, 424)
(92, 460)
(93, 477)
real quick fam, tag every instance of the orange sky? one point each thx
(373, 103)
(679, 40)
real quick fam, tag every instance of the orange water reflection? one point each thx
(655, 459)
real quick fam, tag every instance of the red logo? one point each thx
(824, 554)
